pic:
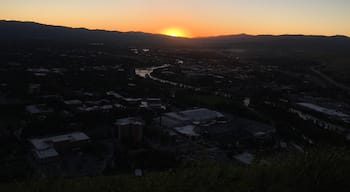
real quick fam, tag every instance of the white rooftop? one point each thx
(129, 121)
(37, 109)
(177, 116)
(201, 114)
(73, 102)
(44, 147)
(245, 158)
(187, 130)
(193, 116)
(47, 153)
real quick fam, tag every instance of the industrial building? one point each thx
(41, 109)
(152, 104)
(186, 122)
(130, 130)
(49, 148)
(39, 112)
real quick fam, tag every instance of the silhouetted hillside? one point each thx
(29, 31)
(299, 42)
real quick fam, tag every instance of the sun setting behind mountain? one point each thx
(185, 95)
(175, 32)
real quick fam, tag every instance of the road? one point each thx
(330, 80)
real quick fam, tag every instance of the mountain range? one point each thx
(17, 31)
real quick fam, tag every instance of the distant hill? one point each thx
(295, 42)
(30, 31)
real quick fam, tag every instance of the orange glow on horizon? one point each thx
(188, 18)
(175, 32)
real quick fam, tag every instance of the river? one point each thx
(147, 73)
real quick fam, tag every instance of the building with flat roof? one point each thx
(40, 109)
(185, 122)
(187, 131)
(74, 102)
(48, 148)
(188, 117)
(39, 112)
(152, 104)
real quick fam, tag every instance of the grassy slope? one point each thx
(325, 170)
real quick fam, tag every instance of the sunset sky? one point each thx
(189, 17)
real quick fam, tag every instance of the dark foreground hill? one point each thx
(15, 31)
(325, 170)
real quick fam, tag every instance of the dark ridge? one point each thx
(35, 32)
